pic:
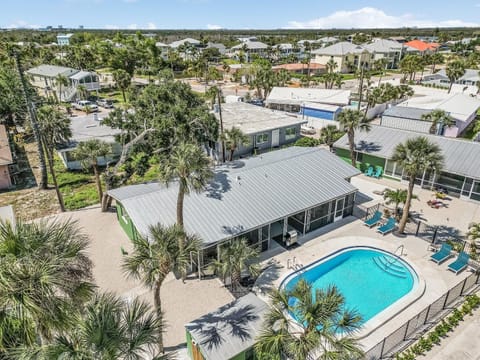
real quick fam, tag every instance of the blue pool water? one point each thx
(369, 279)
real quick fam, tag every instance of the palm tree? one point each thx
(321, 316)
(235, 258)
(82, 91)
(440, 119)
(436, 58)
(62, 80)
(123, 81)
(188, 165)
(54, 131)
(380, 65)
(474, 234)
(330, 134)
(88, 153)
(395, 197)
(234, 138)
(154, 258)
(454, 71)
(45, 277)
(108, 328)
(415, 156)
(352, 120)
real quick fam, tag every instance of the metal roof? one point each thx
(460, 157)
(243, 194)
(286, 95)
(250, 45)
(231, 329)
(86, 127)
(51, 71)
(252, 119)
(81, 74)
(404, 112)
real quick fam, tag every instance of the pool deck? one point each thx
(316, 246)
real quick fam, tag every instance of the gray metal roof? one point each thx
(231, 329)
(404, 112)
(250, 45)
(244, 194)
(460, 157)
(51, 71)
(81, 74)
(86, 127)
(252, 119)
(286, 95)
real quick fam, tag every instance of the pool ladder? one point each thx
(401, 248)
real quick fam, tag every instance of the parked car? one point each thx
(83, 105)
(105, 103)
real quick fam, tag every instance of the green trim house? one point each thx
(228, 333)
(460, 174)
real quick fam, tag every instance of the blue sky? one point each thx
(238, 14)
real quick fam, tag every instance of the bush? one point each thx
(307, 142)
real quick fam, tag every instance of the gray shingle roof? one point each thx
(460, 157)
(251, 45)
(339, 49)
(244, 194)
(231, 329)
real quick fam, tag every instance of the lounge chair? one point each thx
(388, 226)
(378, 172)
(443, 254)
(374, 220)
(369, 171)
(460, 263)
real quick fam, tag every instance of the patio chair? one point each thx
(369, 171)
(460, 263)
(388, 226)
(378, 172)
(374, 220)
(443, 254)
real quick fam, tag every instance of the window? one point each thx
(262, 139)
(290, 133)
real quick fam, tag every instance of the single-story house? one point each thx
(63, 39)
(262, 198)
(462, 108)
(228, 333)
(6, 159)
(440, 78)
(406, 118)
(267, 129)
(45, 78)
(348, 56)
(460, 174)
(422, 46)
(300, 68)
(320, 115)
(86, 128)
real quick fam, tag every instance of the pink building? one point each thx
(5, 159)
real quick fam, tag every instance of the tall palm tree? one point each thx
(45, 277)
(61, 80)
(352, 120)
(321, 316)
(123, 81)
(380, 66)
(189, 165)
(88, 153)
(82, 91)
(54, 131)
(439, 119)
(154, 258)
(235, 258)
(396, 197)
(108, 328)
(454, 71)
(330, 134)
(415, 156)
(234, 138)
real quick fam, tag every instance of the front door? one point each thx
(275, 138)
(339, 204)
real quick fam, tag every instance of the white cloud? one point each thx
(22, 24)
(112, 27)
(213, 27)
(369, 17)
(151, 26)
(132, 27)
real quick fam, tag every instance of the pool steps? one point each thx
(390, 266)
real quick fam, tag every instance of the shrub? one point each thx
(307, 142)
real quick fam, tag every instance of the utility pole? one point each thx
(43, 184)
(219, 97)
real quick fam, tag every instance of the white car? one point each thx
(83, 105)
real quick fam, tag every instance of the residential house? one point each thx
(462, 108)
(163, 49)
(440, 78)
(291, 99)
(347, 56)
(328, 40)
(422, 46)
(63, 39)
(6, 159)
(45, 78)
(295, 190)
(460, 173)
(390, 50)
(301, 68)
(406, 118)
(219, 46)
(215, 336)
(184, 42)
(86, 128)
(267, 129)
(249, 49)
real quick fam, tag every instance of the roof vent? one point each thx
(238, 178)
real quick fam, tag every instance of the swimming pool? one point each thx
(370, 279)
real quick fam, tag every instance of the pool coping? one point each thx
(389, 312)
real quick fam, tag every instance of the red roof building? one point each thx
(422, 45)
